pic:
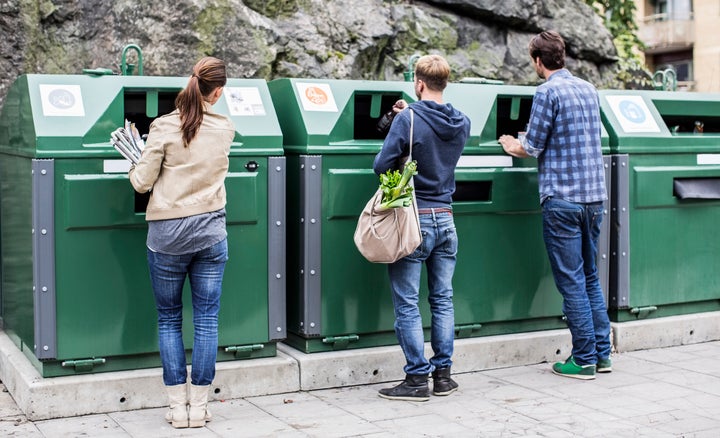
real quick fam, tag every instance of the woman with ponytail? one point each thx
(183, 166)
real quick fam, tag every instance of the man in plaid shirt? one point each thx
(564, 135)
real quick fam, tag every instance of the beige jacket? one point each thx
(184, 181)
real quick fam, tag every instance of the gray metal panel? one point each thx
(43, 229)
(620, 236)
(277, 329)
(603, 256)
(310, 242)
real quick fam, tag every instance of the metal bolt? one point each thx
(44, 289)
(278, 169)
(278, 329)
(312, 221)
(278, 223)
(46, 348)
(312, 324)
(278, 276)
(313, 167)
(43, 231)
(624, 253)
(43, 172)
(312, 272)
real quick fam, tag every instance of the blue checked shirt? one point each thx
(564, 135)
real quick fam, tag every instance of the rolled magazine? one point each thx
(128, 142)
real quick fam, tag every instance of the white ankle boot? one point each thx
(177, 416)
(198, 413)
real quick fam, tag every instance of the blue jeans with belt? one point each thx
(571, 232)
(205, 270)
(438, 251)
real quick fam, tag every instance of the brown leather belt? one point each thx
(437, 210)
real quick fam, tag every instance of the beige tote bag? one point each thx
(388, 235)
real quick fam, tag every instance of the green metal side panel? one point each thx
(16, 238)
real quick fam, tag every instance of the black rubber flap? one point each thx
(696, 188)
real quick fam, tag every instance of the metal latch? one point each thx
(643, 312)
(465, 331)
(340, 342)
(244, 351)
(83, 365)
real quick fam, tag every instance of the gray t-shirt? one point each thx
(186, 235)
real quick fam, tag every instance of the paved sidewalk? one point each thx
(664, 392)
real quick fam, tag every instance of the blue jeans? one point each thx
(168, 272)
(439, 251)
(571, 234)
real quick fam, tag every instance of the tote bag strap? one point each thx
(412, 122)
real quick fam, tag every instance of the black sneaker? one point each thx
(442, 383)
(413, 388)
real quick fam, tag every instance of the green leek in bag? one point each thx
(395, 188)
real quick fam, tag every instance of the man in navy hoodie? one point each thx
(440, 133)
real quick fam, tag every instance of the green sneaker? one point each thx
(570, 369)
(604, 365)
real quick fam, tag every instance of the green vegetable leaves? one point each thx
(395, 188)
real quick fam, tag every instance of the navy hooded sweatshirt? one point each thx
(439, 136)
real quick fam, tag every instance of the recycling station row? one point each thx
(76, 296)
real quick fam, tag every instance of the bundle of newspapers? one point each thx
(128, 142)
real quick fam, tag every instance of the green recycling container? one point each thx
(666, 202)
(335, 298)
(76, 294)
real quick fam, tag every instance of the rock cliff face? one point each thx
(342, 39)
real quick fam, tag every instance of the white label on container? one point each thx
(244, 101)
(485, 161)
(633, 114)
(708, 159)
(61, 100)
(316, 97)
(116, 166)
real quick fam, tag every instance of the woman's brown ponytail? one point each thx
(208, 75)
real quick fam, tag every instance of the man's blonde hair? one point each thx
(434, 70)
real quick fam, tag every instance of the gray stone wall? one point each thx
(342, 39)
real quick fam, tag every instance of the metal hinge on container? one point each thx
(465, 331)
(643, 312)
(244, 351)
(83, 365)
(340, 342)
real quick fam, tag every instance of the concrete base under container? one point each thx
(292, 370)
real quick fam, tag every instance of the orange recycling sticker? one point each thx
(316, 95)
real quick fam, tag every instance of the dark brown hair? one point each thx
(434, 70)
(550, 48)
(208, 74)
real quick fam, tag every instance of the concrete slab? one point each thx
(382, 364)
(56, 397)
(666, 332)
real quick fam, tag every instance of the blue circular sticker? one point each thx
(632, 111)
(61, 99)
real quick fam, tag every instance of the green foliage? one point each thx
(619, 18)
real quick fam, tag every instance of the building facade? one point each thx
(682, 35)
